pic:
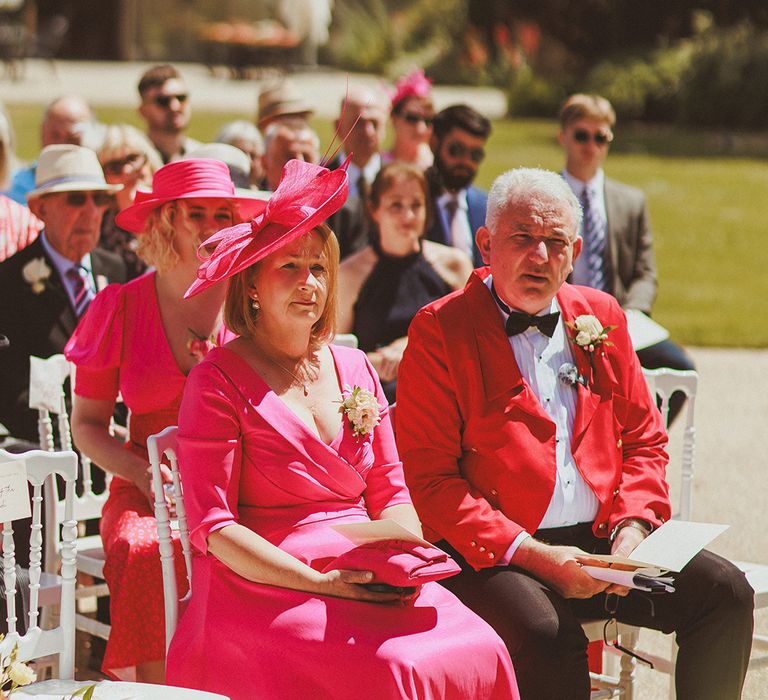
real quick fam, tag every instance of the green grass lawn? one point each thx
(705, 191)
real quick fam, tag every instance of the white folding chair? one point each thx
(44, 589)
(159, 445)
(47, 395)
(662, 383)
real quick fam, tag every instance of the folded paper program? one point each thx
(397, 563)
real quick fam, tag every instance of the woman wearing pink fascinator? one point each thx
(140, 340)
(283, 437)
(412, 113)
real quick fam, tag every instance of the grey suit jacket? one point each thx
(629, 256)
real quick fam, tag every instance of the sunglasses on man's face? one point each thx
(78, 199)
(165, 100)
(600, 137)
(116, 167)
(414, 118)
(459, 150)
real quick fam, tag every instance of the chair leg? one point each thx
(628, 666)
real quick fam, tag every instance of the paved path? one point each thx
(114, 84)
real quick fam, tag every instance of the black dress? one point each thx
(394, 291)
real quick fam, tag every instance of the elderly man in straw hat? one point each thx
(46, 287)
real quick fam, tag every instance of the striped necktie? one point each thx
(593, 232)
(82, 291)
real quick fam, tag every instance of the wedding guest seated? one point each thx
(128, 159)
(383, 286)
(411, 114)
(141, 339)
(286, 140)
(245, 136)
(530, 441)
(270, 464)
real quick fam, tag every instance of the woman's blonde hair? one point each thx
(243, 319)
(157, 243)
(122, 138)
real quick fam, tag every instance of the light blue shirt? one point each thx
(63, 264)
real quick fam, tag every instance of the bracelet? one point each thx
(637, 523)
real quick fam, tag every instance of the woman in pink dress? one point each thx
(141, 340)
(270, 462)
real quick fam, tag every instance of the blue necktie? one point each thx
(593, 232)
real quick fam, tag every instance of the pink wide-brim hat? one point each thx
(306, 196)
(196, 178)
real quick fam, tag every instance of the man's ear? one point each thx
(141, 109)
(37, 207)
(483, 242)
(576, 250)
(561, 138)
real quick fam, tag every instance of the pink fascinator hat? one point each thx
(196, 178)
(415, 84)
(306, 196)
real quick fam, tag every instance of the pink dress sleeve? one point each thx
(96, 346)
(385, 482)
(209, 452)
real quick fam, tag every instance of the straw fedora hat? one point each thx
(281, 100)
(67, 168)
(196, 178)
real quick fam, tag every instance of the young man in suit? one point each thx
(47, 286)
(527, 446)
(618, 247)
(459, 135)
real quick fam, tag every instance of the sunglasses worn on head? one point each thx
(600, 138)
(78, 199)
(117, 166)
(459, 150)
(165, 100)
(414, 118)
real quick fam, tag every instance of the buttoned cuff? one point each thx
(507, 558)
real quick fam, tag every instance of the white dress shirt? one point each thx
(596, 186)
(540, 359)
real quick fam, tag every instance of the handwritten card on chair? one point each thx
(14, 496)
(45, 380)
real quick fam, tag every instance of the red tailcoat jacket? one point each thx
(478, 448)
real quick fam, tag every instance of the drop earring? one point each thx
(255, 304)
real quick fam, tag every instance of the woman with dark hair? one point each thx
(382, 286)
(283, 438)
(141, 340)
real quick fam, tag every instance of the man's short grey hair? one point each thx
(241, 130)
(525, 184)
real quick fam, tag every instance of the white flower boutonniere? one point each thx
(589, 333)
(362, 409)
(36, 272)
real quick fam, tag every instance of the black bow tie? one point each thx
(519, 321)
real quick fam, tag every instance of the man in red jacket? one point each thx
(530, 439)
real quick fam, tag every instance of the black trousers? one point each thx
(711, 611)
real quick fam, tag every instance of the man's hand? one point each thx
(557, 567)
(627, 538)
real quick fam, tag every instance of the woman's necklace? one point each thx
(301, 383)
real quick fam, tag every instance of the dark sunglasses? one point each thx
(600, 138)
(165, 100)
(78, 199)
(414, 118)
(116, 167)
(459, 150)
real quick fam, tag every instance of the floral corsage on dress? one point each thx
(361, 409)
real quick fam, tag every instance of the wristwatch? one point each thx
(643, 525)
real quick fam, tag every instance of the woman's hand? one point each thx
(145, 484)
(347, 583)
(386, 360)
